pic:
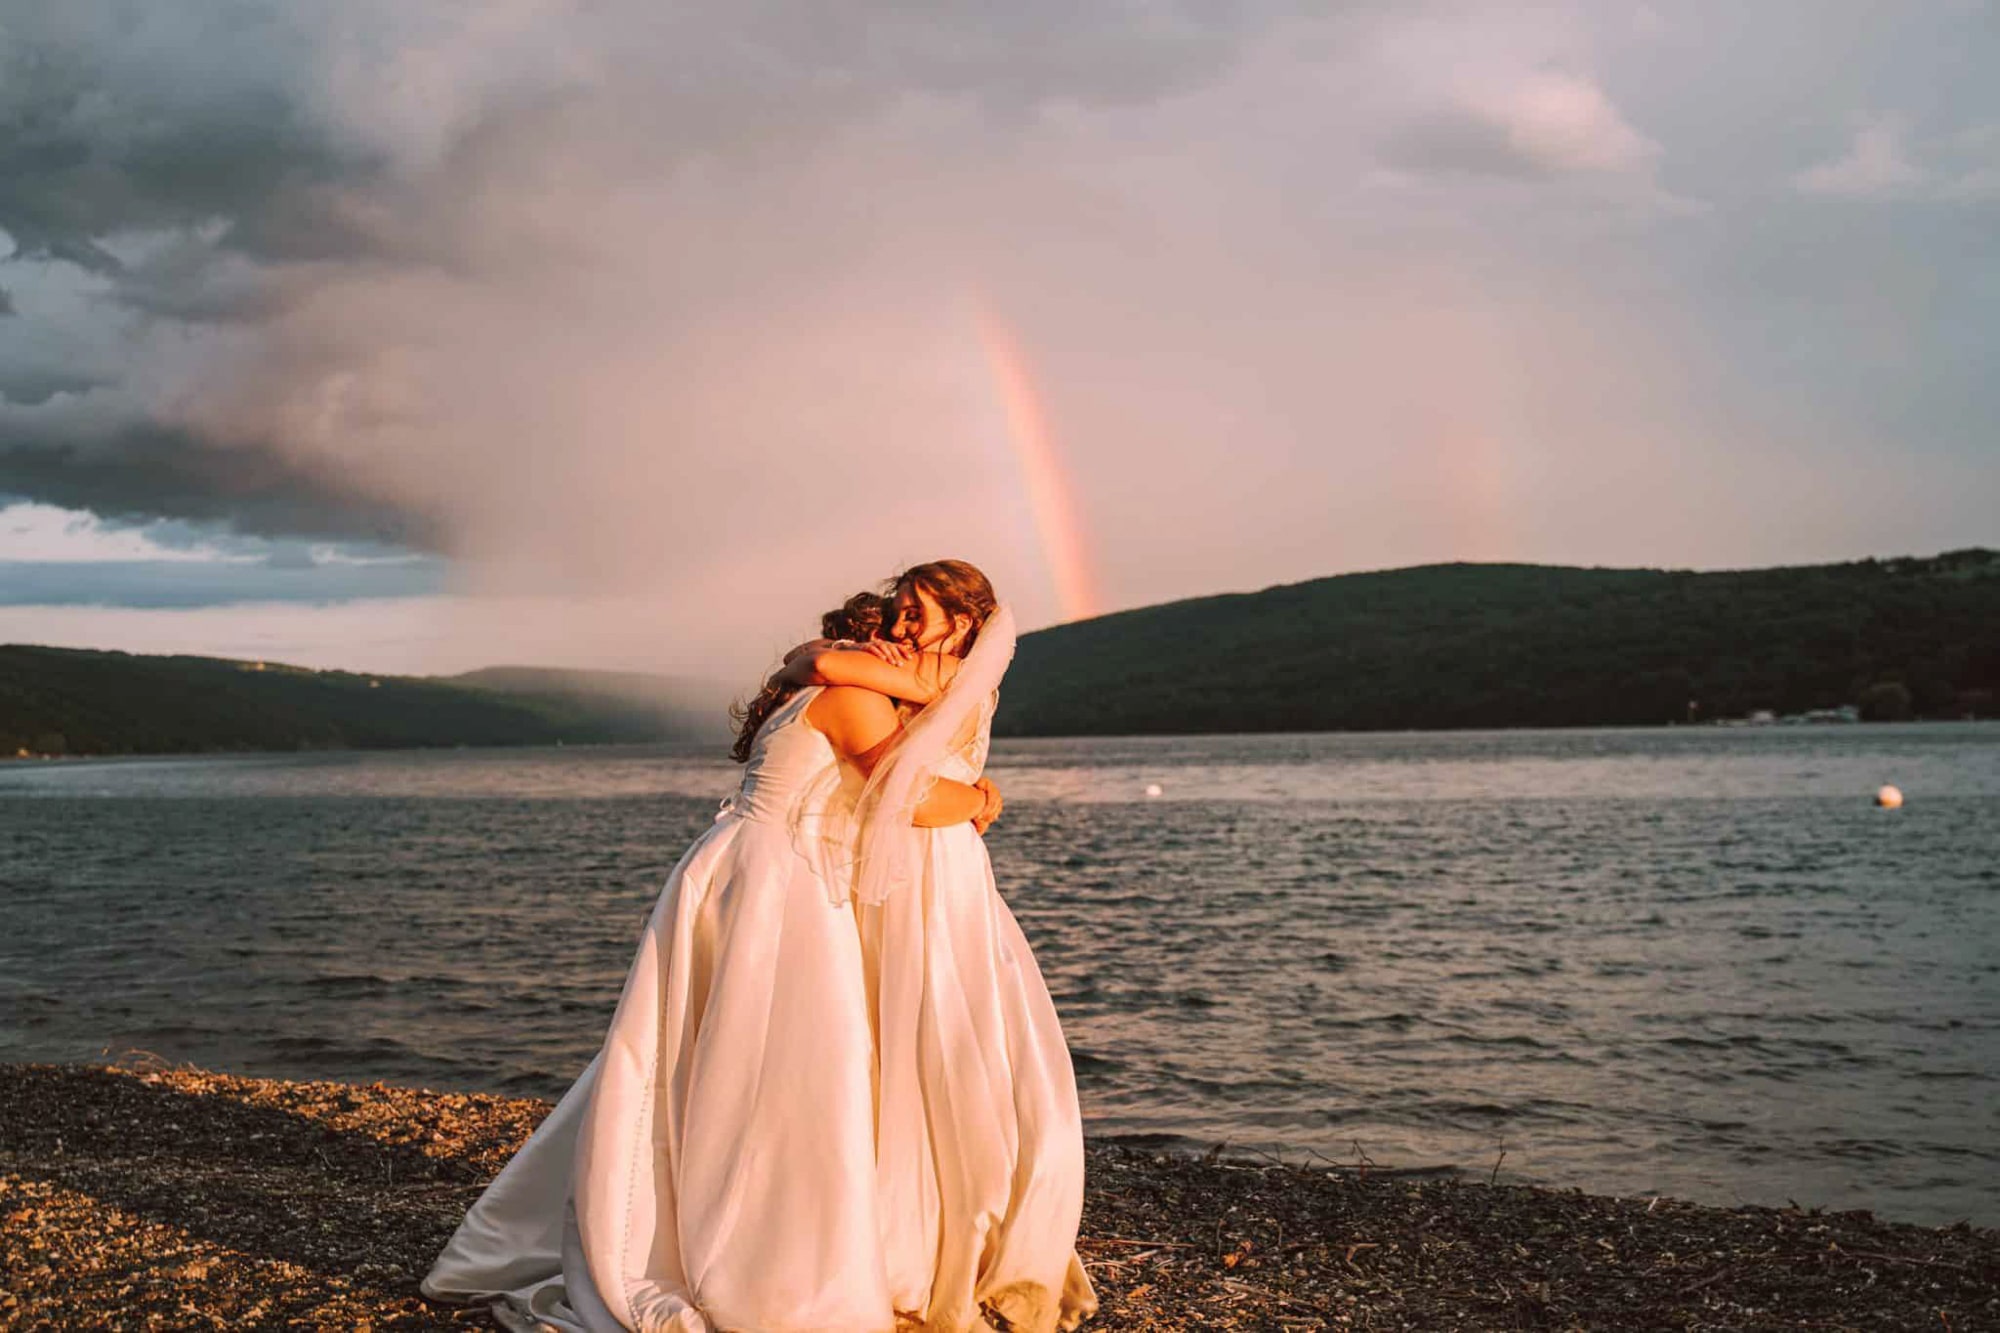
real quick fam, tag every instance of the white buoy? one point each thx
(1889, 798)
(1155, 789)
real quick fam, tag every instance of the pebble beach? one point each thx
(144, 1195)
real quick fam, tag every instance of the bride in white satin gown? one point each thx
(834, 1096)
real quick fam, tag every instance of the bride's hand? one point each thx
(989, 811)
(895, 654)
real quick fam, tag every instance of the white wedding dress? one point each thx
(805, 1117)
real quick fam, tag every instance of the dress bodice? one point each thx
(788, 754)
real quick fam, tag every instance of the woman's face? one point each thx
(920, 622)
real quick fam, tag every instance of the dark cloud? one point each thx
(31, 386)
(112, 121)
(213, 164)
(191, 583)
(191, 282)
(142, 472)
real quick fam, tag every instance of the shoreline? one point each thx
(169, 1196)
(711, 748)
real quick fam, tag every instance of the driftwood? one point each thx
(150, 1196)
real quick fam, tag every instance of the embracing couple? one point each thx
(834, 1096)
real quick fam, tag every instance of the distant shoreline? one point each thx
(718, 748)
(1431, 648)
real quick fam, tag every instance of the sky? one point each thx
(412, 336)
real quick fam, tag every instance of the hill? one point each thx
(622, 705)
(1465, 645)
(1438, 646)
(74, 701)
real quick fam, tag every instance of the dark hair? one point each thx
(859, 617)
(959, 590)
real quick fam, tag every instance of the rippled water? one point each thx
(1691, 961)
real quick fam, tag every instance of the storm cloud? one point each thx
(162, 584)
(637, 301)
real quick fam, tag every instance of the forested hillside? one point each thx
(1525, 645)
(61, 700)
(1434, 647)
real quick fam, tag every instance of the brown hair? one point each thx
(959, 590)
(859, 617)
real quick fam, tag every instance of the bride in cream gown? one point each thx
(834, 1096)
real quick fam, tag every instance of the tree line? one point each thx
(1467, 645)
(1433, 647)
(75, 701)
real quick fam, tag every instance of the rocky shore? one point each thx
(146, 1196)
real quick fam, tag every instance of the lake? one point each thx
(1690, 961)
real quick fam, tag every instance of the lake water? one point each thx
(1689, 961)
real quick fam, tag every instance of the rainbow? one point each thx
(1050, 496)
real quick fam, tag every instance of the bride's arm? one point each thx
(809, 646)
(918, 681)
(861, 723)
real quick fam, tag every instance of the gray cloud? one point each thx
(1457, 141)
(188, 281)
(118, 120)
(221, 166)
(296, 126)
(31, 386)
(1544, 124)
(181, 584)
(141, 472)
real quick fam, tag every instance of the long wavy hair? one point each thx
(959, 590)
(859, 617)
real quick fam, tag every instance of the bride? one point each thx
(834, 1096)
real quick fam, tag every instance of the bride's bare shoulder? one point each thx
(853, 717)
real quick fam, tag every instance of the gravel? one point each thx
(148, 1196)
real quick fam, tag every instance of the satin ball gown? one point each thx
(806, 1116)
